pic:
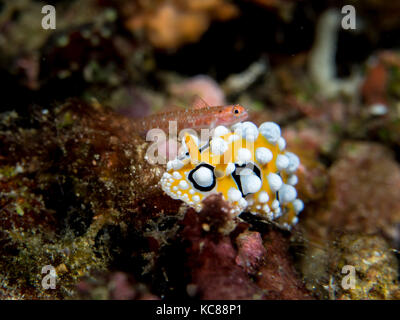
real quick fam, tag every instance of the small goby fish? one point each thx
(201, 115)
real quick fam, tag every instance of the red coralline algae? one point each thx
(251, 251)
(217, 269)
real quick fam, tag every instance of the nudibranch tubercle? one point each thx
(248, 166)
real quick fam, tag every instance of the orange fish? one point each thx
(201, 115)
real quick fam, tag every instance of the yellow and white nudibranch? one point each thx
(247, 165)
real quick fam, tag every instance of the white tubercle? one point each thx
(281, 144)
(233, 137)
(292, 180)
(243, 155)
(203, 177)
(183, 185)
(177, 164)
(169, 165)
(275, 204)
(298, 205)
(251, 183)
(230, 168)
(242, 202)
(282, 162)
(287, 194)
(234, 195)
(294, 162)
(277, 212)
(271, 131)
(248, 130)
(263, 197)
(274, 181)
(263, 155)
(220, 131)
(176, 175)
(196, 198)
(166, 175)
(218, 146)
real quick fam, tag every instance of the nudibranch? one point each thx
(247, 164)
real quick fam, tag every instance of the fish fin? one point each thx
(199, 103)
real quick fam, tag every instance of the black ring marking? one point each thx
(239, 168)
(198, 187)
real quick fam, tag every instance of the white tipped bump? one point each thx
(251, 183)
(266, 208)
(191, 191)
(292, 180)
(177, 164)
(237, 126)
(220, 131)
(183, 185)
(274, 181)
(234, 194)
(196, 198)
(175, 188)
(263, 155)
(169, 165)
(203, 177)
(281, 144)
(263, 197)
(295, 220)
(176, 175)
(166, 175)
(233, 137)
(282, 162)
(243, 155)
(242, 202)
(275, 204)
(298, 205)
(271, 131)
(287, 193)
(218, 146)
(294, 162)
(248, 130)
(277, 212)
(230, 168)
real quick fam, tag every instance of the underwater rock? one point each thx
(251, 251)
(112, 286)
(376, 268)
(363, 192)
(217, 270)
(75, 190)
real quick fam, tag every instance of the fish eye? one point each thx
(236, 111)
